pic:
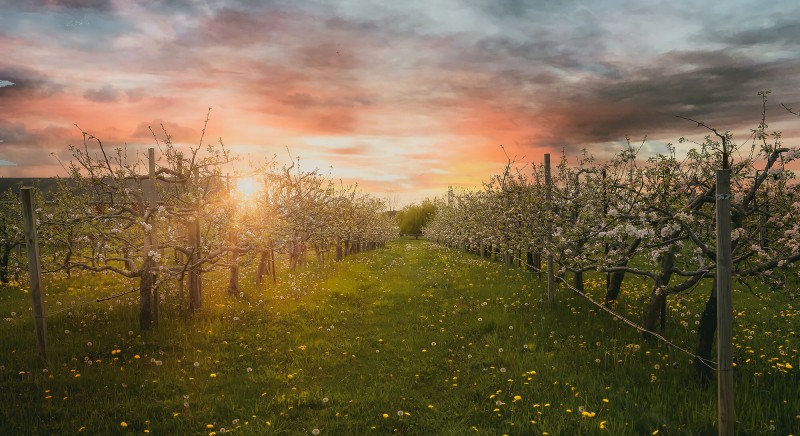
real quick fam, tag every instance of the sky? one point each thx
(404, 98)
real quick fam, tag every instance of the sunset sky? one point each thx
(403, 97)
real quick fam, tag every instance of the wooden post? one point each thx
(272, 263)
(32, 248)
(725, 405)
(195, 243)
(548, 196)
(606, 247)
(179, 254)
(195, 292)
(153, 205)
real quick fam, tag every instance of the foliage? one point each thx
(457, 344)
(652, 218)
(414, 217)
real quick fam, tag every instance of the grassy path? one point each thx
(414, 339)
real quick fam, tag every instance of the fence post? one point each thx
(725, 405)
(178, 254)
(32, 249)
(153, 205)
(548, 197)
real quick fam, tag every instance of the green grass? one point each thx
(412, 339)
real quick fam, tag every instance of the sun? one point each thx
(247, 187)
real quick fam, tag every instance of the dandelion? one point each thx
(315, 431)
(213, 375)
(196, 364)
(400, 413)
(123, 424)
(603, 424)
(385, 416)
(249, 369)
(502, 370)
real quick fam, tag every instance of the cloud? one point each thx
(60, 5)
(18, 134)
(106, 94)
(360, 149)
(136, 94)
(5, 163)
(6, 83)
(27, 83)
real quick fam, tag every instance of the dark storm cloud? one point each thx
(714, 87)
(27, 83)
(782, 32)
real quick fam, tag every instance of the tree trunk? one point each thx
(146, 281)
(614, 287)
(615, 281)
(578, 281)
(233, 283)
(263, 266)
(705, 337)
(4, 259)
(272, 268)
(339, 253)
(656, 307)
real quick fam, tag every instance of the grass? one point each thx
(412, 339)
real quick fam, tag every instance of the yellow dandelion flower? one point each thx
(123, 424)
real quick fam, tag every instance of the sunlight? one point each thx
(247, 187)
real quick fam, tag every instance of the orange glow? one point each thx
(247, 188)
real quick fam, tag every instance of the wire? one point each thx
(641, 329)
(709, 363)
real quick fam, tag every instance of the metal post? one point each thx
(32, 248)
(725, 403)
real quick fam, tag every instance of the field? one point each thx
(411, 339)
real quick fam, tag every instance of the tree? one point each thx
(413, 218)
